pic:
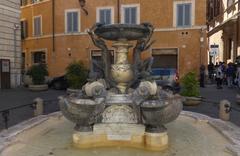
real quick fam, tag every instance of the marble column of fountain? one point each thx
(122, 105)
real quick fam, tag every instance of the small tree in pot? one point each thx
(76, 75)
(190, 89)
(38, 73)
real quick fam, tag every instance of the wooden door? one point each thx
(5, 80)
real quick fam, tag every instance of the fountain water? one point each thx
(123, 105)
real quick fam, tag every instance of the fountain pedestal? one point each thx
(121, 70)
(124, 135)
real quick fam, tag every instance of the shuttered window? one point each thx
(184, 15)
(105, 16)
(72, 21)
(24, 28)
(37, 26)
(130, 15)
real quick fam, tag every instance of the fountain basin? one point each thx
(191, 134)
(83, 112)
(156, 113)
(117, 32)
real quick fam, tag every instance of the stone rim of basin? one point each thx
(115, 32)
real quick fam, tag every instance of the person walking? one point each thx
(202, 76)
(230, 75)
(219, 77)
(238, 76)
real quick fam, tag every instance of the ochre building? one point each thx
(55, 31)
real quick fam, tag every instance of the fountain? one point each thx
(119, 108)
(122, 106)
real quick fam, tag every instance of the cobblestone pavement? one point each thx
(21, 96)
(210, 93)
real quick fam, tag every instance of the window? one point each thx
(184, 15)
(72, 21)
(130, 14)
(24, 32)
(105, 15)
(37, 26)
(23, 2)
(23, 62)
(39, 57)
(36, 1)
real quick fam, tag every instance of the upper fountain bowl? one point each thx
(128, 32)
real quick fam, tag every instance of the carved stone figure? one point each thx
(143, 44)
(105, 54)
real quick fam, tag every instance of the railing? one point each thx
(28, 109)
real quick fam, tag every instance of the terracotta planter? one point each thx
(191, 101)
(37, 88)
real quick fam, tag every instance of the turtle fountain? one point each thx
(122, 105)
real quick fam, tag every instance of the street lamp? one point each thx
(16, 27)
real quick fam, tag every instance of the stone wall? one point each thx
(10, 40)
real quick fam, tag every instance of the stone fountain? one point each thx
(122, 105)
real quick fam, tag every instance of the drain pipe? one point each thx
(53, 26)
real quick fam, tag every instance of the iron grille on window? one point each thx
(39, 57)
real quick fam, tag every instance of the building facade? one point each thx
(55, 32)
(10, 44)
(224, 30)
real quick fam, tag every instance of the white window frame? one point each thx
(128, 6)
(175, 3)
(79, 20)
(33, 26)
(104, 8)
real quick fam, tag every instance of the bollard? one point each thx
(39, 107)
(224, 110)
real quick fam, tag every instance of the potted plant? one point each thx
(190, 89)
(38, 73)
(76, 75)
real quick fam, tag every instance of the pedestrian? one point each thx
(219, 77)
(202, 76)
(237, 79)
(211, 71)
(230, 74)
